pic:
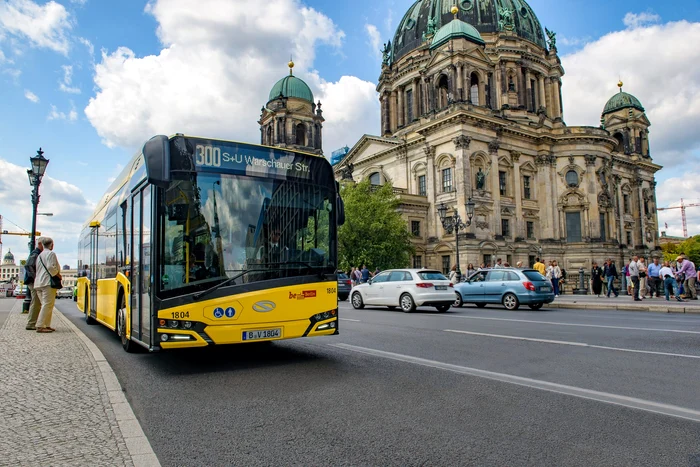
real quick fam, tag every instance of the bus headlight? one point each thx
(187, 325)
(173, 323)
(164, 337)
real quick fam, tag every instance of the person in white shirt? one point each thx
(641, 265)
(668, 277)
(46, 267)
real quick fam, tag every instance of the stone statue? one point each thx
(552, 38)
(385, 53)
(511, 84)
(431, 29)
(506, 19)
(480, 179)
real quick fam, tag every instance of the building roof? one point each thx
(456, 29)
(8, 258)
(291, 86)
(622, 100)
(425, 17)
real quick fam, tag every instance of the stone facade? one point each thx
(485, 121)
(9, 270)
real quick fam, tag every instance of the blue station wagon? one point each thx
(508, 286)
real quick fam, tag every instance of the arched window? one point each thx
(620, 142)
(572, 178)
(301, 134)
(269, 135)
(474, 89)
(442, 92)
(375, 179)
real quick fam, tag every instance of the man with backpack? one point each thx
(29, 276)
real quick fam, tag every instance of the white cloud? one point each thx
(667, 88)
(573, 41)
(31, 96)
(374, 39)
(219, 61)
(668, 193)
(68, 204)
(55, 114)
(634, 20)
(88, 45)
(79, 2)
(44, 26)
(66, 84)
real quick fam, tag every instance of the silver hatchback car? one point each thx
(510, 287)
(406, 288)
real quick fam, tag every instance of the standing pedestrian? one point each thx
(470, 270)
(453, 275)
(519, 265)
(610, 276)
(633, 269)
(654, 278)
(498, 264)
(687, 268)
(555, 275)
(596, 279)
(47, 267)
(670, 285)
(539, 267)
(364, 274)
(642, 277)
(29, 277)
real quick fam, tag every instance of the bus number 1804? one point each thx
(208, 156)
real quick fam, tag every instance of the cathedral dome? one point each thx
(455, 29)
(291, 86)
(9, 258)
(425, 17)
(622, 100)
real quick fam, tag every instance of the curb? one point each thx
(629, 307)
(139, 447)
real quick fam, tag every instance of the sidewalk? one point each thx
(624, 302)
(60, 402)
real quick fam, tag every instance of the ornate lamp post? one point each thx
(455, 223)
(35, 174)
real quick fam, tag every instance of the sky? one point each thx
(89, 81)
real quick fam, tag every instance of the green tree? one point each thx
(690, 248)
(374, 232)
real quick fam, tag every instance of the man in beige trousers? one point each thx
(30, 276)
(47, 265)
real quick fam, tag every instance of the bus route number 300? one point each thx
(208, 156)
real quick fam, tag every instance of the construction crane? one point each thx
(683, 218)
(5, 232)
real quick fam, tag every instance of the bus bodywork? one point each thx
(202, 242)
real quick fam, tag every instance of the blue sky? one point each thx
(52, 66)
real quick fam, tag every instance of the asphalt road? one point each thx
(468, 387)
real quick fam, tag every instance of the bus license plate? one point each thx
(264, 334)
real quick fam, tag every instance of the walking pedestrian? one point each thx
(453, 275)
(498, 264)
(610, 276)
(633, 269)
(596, 279)
(29, 277)
(654, 278)
(47, 267)
(642, 277)
(687, 268)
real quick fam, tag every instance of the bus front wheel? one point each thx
(121, 328)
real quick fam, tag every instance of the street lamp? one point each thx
(35, 174)
(455, 223)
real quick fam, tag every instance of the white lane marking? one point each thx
(629, 328)
(501, 336)
(608, 398)
(348, 319)
(577, 344)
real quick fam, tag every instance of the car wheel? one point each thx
(536, 306)
(510, 301)
(480, 305)
(407, 303)
(458, 300)
(357, 302)
(442, 308)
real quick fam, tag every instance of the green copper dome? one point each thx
(291, 86)
(455, 29)
(622, 100)
(9, 258)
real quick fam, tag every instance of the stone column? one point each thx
(621, 213)
(542, 99)
(416, 98)
(543, 192)
(393, 111)
(462, 172)
(592, 190)
(432, 229)
(530, 103)
(495, 190)
(522, 98)
(400, 109)
(460, 84)
(519, 227)
(386, 118)
(482, 92)
(642, 217)
(555, 95)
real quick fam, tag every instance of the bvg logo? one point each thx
(264, 306)
(303, 295)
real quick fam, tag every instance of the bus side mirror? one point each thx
(341, 211)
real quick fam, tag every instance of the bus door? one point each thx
(141, 266)
(93, 269)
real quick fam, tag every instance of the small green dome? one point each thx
(291, 86)
(9, 258)
(622, 100)
(454, 29)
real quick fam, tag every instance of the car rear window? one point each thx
(534, 276)
(342, 276)
(432, 276)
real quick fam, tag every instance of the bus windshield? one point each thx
(215, 226)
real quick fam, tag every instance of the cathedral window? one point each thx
(446, 180)
(421, 185)
(301, 134)
(474, 89)
(629, 238)
(415, 228)
(442, 92)
(375, 179)
(573, 227)
(620, 142)
(446, 265)
(572, 178)
(527, 193)
(530, 227)
(505, 227)
(626, 203)
(502, 185)
(603, 236)
(417, 262)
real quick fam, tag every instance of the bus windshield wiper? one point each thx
(199, 295)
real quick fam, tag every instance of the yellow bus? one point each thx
(202, 241)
